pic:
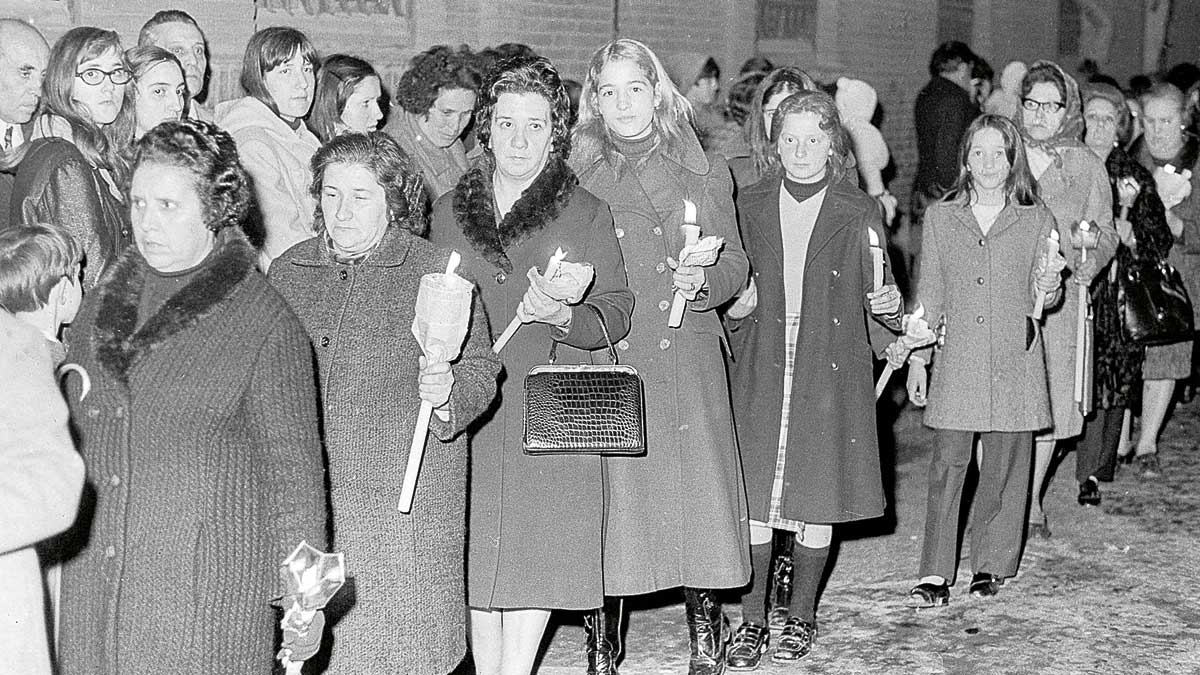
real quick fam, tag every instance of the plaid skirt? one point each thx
(774, 519)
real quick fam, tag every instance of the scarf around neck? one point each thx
(1070, 130)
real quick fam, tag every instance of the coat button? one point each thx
(93, 413)
(834, 366)
(501, 277)
(664, 344)
(623, 345)
(620, 233)
(324, 340)
(836, 274)
(837, 321)
(983, 242)
(979, 281)
(663, 305)
(114, 480)
(119, 412)
(342, 274)
(110, 552)
(657, 231)
(979, 319)
(660, 268)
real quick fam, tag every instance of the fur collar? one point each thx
(120, 344)
(539, 205)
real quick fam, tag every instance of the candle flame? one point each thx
(1053, 236)
(1084, 226)
(689, 212)
(919, 312)
(872, 237)
(559, 254)
(452, 264)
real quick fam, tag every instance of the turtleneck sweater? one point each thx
(160, 286)
(799, 205)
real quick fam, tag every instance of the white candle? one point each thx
(689, 212)
(876, 259)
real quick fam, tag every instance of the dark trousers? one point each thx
(1097, 448)
(1000, 502)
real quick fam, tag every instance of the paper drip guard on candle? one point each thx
(515, 324)
(310, 580)
(917, 334)
(440, 322)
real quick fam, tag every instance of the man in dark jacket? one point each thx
(23, 56)
(943, 111)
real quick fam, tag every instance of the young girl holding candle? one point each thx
(808, 443)
(986, 257)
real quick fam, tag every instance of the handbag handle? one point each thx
(612, 351)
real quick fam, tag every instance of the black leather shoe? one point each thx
(796, 640)
(1089, 493)
(749, 644)
(923, 596)
(602, 627)
(984, 585)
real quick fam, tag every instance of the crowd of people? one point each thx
(224, 296)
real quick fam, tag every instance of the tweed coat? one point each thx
(1074, 189)
(677, 516)
(39, 489)
(407, 615)
(535, 522)
(832, 473)
(204, 469)
(983, 377)
(56, 184)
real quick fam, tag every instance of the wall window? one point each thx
(787, 20)
(955, 20)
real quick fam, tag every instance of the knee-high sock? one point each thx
(809, 568)
(754, 602)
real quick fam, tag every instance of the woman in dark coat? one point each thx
(535, 521)
(200, 434)
(354, 286)
(987, 253)
(1122, 364)
(808, 442)
(1167, 140)
(71, 170)
(677, 516)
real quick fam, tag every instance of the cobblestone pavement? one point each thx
(1113, 591)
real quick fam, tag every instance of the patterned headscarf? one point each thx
(1070, 131)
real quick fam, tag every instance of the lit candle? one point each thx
(876, 258)
(691, 236)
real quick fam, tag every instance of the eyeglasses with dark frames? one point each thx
(95, 76)
(1047, 107)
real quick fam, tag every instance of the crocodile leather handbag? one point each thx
(585, 409)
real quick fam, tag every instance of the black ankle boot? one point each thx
(603, 629)
(708, 630)
(779, 597)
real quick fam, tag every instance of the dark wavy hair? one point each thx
(100, 146)
(528, 75)
(433, 70)
(209, 154)
(265, 51)
(338, 77)
(822, 105)
(1019, 186)
(380, 154)
(788, 78)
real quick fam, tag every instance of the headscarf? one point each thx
(1070, 131)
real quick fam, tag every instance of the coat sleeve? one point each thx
(69, 200)
(931, 285)
(42, 476)
(475, 374)
(609, 293)
(716, 217)
(1098, 211)
(282, 405)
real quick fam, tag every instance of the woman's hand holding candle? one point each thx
(538, 307)
(435, 382)
(1050, 267)
(688, 279)
(886, 301)
(1084, 237)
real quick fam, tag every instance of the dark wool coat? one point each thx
(677, 516)
(1119, 359)
(204, 466)
(941, 114)
(983, 378)
(407, 614)
(535, 522)
(832, 473)
(55, 184)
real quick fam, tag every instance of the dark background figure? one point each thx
(177, 32)
(23, 57)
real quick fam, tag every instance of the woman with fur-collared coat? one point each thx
(676, 516)
(536, 522)
(200, 434)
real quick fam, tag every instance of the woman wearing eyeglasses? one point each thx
(70, 172)
(1073, 183)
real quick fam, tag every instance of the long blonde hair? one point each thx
(673, 117)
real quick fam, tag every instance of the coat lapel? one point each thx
(762, 199)
(120, 344)
(835, 215)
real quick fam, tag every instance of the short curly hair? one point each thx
(380, 154)
(433, 70)
(209, 154)
(528, 75)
